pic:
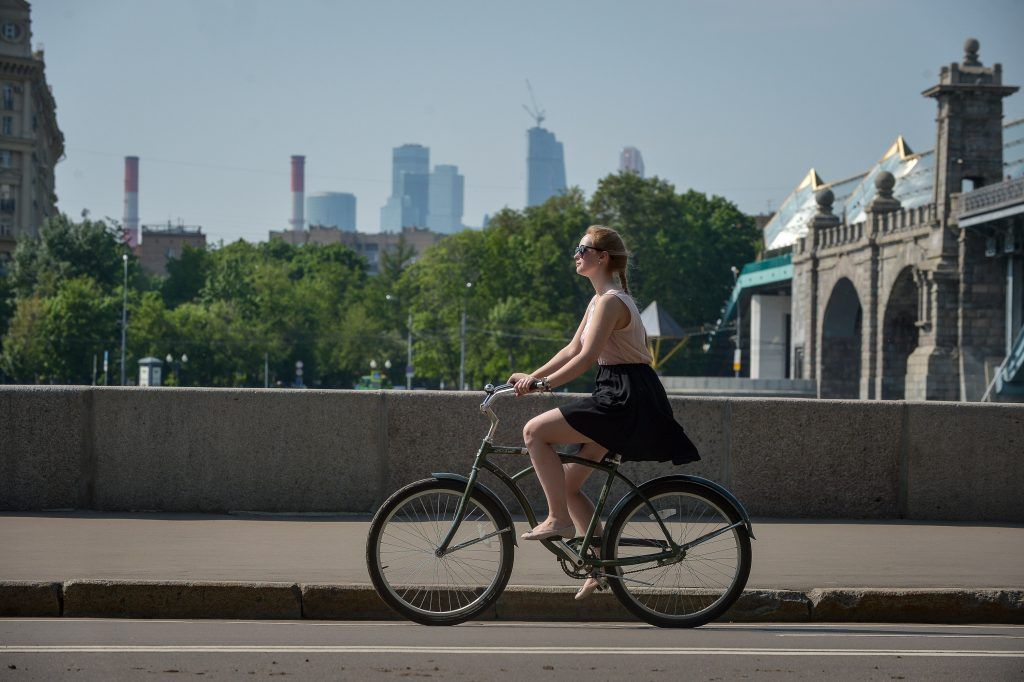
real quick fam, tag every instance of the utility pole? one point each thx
(124, 318)
(408, 356)
(737, 360)
(462, 341)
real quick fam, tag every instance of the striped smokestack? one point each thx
(298, 192)
(131, 201)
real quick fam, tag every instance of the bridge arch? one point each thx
(899, 334)
(841, 343)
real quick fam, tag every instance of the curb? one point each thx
(325, 601)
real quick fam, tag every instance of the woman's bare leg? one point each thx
(581, 509)
(539, 434)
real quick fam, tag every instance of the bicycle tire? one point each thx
(436, 590)
(709, 578)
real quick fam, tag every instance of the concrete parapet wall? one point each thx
(216, 450)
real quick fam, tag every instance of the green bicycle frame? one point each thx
(558, 547)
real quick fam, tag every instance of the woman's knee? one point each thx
(530, 432)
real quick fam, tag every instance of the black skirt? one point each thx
(629, 414)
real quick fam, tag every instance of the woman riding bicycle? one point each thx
(628, 412)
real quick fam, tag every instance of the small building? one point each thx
(367, 245)
(161, 243)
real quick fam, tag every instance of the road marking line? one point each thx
(933, 635)
(490, 650)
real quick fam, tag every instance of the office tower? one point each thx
(545, 166)
(332, 209)
(407, 206)
(446, 199)
(630, 161)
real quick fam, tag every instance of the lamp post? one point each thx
(408, 346)
(124, 317)
(737, 360)
(176, 365)
(462, 340)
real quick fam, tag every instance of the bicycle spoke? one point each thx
(449, 584)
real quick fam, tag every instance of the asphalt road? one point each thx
(89, 649)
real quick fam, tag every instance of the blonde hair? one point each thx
(607, 239)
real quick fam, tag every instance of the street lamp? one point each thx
(124, 317)
(177, 366)
(376, 377)
(462, 340)
(737, 360)
(408, 348)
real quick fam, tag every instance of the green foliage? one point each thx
(186, 276)
(65, 250)
(53, 338)
(682, 247)
(7, 302)
(232, 307)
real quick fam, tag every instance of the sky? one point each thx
(737, 98)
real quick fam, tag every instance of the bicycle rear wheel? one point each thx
(685, 591)
(439, 590)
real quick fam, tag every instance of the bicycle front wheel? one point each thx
(695, 587)
(401, 553)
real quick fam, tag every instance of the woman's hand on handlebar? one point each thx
(523, 383)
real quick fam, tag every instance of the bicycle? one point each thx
(675, 550)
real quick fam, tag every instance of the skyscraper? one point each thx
(545, 166)
(332, 209)
(446, 199)
(630, 161)
(408, 203)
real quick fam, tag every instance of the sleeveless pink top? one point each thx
(625, 346)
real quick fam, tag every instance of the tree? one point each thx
(186, 276)
(65, 250)
(682, 247)
(54, 338)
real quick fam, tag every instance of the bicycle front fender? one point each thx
(702, 482)
(486, 492)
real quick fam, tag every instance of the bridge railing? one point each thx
(217, 450)
(879, 224)
(989, 198)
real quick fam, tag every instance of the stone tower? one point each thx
(969, 144)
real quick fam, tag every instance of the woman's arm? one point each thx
(557, 360)
(611, 313)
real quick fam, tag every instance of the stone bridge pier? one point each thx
(903, 302)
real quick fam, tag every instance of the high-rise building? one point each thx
(410, 171)
(30, 141)
(446, 199)
(630, 161)
(545, 166)
(332, 209)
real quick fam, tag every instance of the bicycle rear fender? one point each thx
(486, 492)
(702, 482)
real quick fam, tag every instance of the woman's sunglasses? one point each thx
(582, 249)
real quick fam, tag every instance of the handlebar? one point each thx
(493, 392)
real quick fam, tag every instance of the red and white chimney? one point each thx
(131, 201)
(298, 193)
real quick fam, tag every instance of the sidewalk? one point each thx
(798, 565)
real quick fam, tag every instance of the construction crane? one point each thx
(536, 113)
